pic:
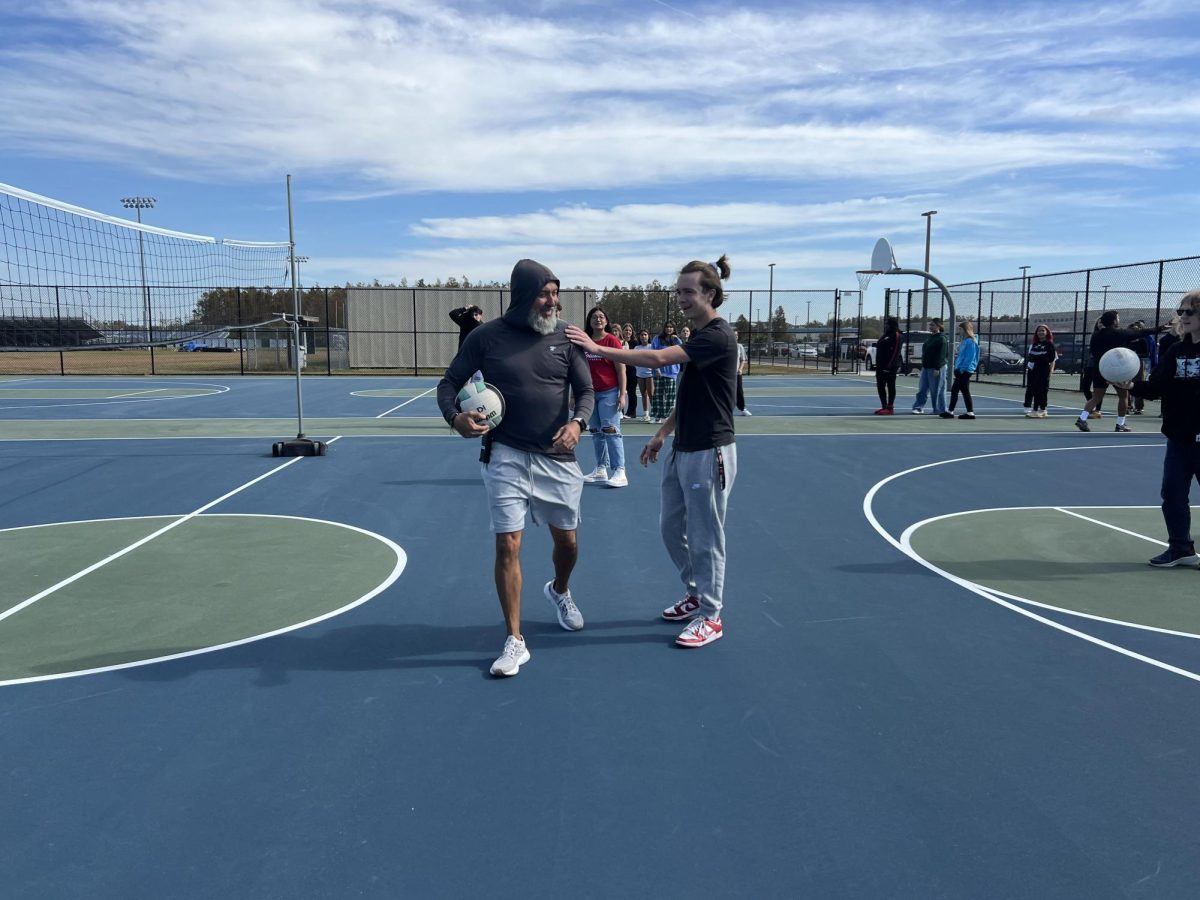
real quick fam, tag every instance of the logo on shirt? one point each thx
(1187, 367)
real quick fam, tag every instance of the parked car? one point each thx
(1071, 354)
(804, 351)
(910, 350)
(996, 358)
(863, 350)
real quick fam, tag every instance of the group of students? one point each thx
(931, 384)
(544, 369)
(1172, 349)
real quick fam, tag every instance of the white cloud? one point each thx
(423, 96)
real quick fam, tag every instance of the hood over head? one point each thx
(528, 279)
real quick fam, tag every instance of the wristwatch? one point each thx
(582, 423)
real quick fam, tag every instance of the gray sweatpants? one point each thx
(695, 492)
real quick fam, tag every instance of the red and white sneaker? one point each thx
(684, 609)
(700, 631)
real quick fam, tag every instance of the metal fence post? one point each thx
(62, 365)
(328, 347)
(237, 295)
(416, 362)
(1158, 296)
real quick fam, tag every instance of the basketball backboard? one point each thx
(883, 260)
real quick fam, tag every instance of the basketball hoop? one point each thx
(882, 260)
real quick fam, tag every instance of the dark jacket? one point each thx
(1107, 338)
(1042, 354)
(1176, 381)
(887, 352)
(935, 351)
(464, 318)
(536, 374)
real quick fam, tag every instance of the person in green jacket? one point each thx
(933, 370)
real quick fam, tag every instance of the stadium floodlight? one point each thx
(138, 204)
(883, 262)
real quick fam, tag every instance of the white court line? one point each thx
(401, 563)
(1113, 527)
(406, 402)
(218, 389)
(906, 537)
(868, 511)
(136, 393)
(71, 579)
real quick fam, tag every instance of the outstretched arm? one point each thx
(647, 359)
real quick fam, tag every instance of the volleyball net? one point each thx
(73, 278)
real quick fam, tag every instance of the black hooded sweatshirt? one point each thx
(536, 374)
(1176, 379)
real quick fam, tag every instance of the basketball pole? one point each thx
(300, 445)
(883, 262)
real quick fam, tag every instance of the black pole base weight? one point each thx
(299, 447)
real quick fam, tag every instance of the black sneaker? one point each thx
(1082, 425)
(946, 415)
(1174, 556)
(1122, 428)
(967, 416)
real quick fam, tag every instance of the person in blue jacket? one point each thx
(965, 363)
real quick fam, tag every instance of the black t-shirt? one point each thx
(707, 389)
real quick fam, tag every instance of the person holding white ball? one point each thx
(1109, 336)
(1176, 381)
(528, 461)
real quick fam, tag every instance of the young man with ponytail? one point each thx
(702, 464)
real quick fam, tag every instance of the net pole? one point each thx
(295, 314)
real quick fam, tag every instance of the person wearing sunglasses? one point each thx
(1176, 381)
(1109, 335)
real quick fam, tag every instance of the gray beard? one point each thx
(540, 325)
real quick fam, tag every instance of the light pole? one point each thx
(928, 239)
(808, 312)
(138, 204)
(1104, 303)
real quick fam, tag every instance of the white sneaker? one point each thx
(744, 412)
(600, 473)
(510, 661)
(645, 418)
(1028, 413)
(569, 616)
(618, 479)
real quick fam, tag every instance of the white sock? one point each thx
(1120, 420)
(1083, 415)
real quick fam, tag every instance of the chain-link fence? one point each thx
(385, 330)
(1006, 312)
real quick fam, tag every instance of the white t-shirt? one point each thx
(643, 373)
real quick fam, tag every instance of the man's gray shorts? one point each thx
(518, 482)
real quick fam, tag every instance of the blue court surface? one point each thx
(947, 670)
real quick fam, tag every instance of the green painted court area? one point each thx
(16, 392)
(1052, 557)
(212, 580)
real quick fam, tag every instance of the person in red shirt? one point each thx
(608, 380)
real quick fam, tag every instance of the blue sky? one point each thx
(614, 141)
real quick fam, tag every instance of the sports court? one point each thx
(947, 672)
